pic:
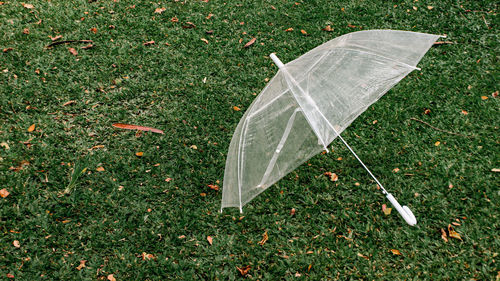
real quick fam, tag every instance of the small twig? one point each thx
(437, 129)
(69, 41)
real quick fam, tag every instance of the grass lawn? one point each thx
(121, 219)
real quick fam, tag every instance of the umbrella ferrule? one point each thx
(277, 61)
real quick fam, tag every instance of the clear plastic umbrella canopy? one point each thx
(311, 101)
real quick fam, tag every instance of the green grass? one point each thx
(121, 80)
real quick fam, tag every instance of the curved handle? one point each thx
(404, 211)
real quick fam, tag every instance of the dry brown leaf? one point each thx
(111, 277)
(139, 154)
(73, 51)
(87, 47)
(149, 43)
(437, 143)
(82, 265)
(55, 38)
(430, 7)
(464, 112)
(31, 128)
(168, 179)
(442, 43)
(26, 31)
(5, 50)
(484, 97)
(204, 40)
(244, 270)
(213, 186)
(182, 237)
(494, 94)
(289, 29)
(193, 147)
(69, 103)
(160, 10)
(363, 256)
(189, 25)
(351, 26)
(395, 170)
(303, 31)
(328, 28)
(94, 30)
(16, 243)
(265, 237)
(427, 111)
(387, 211)
(10, 276)
(395, 252)
(174, 19)
(453, 233)
(331, 176)
(443, 235)
(146, 256)
(250, 43)
(210, 240)
(100, 169)
(292, 212)
(209, 16)
(496, 170)
(235, 108)
(27, 6)
(136, 127)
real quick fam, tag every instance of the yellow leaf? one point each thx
(387, 211)
(100, 169)
(31, 128)
(265, 237)
(4, 193)
(303, 32)
(484, 97)
(139, 154)
(193, 147)
(235, 108)
(453, 233)
(437, 143)
(396, 252)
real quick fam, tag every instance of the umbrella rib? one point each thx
(380, 56)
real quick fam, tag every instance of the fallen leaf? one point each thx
(27, 6)
(26, 31)
(387, 211)
(10, 276)
(213, 186)
(55, 37)
(139, 154)
(453, 233)
(94, 30)
(331, 176)
(303, 31)
(136, 127)
(289, 29)
(494, 94)
(415, 8)
(100, 169)
(87, 47)
(69, 103)
(148, 43)
(272, 7)
(363, 256)
(146, 256)
(351, 26)
(111, 277)
(82, 265)
(31, 128)
(430, 7)
(297, 274)
(244, 270)
(16, 243)
(464, 112)
(160, 10)
(395, 170)
(484, 97)
(182, 237)
(189, 25)
(73, 51)
(250, 43)
(174, 19)
(209, 16)
(193, 147)
(496, 170)
(210, 239)
(97, 147)
(328, 28)
(265, 237)
(168, 179)
(7, 50)
(235, 108)
(5, 145)
(443, 42)
(437, 143)
(204, 40)
(427, 111)
(395, 252)
(443, 235)
(203, 194)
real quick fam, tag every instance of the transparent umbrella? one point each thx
(310, 102)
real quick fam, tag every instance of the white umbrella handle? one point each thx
(404, 211)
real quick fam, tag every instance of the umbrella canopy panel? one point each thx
(310, 100)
